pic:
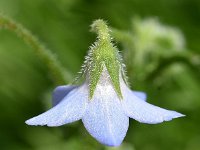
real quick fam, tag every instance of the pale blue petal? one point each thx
(105, 120)
(70, 109)
(60, 92)
(141, 95)
(144, 112)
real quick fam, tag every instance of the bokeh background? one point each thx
(159, 40)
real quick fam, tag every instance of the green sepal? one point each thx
(95, 74)
(113, 67)
(103, 54)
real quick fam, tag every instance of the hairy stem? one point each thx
(55, 69)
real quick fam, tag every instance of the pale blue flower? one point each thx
(103, 102)
(105, 116)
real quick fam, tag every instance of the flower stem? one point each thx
(58, 75)
(102, 30)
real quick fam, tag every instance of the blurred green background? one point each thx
(149, 34)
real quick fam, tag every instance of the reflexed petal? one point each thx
(140, 95)
(60, 92)
(104, 118)
(144, 112)
(70, 109)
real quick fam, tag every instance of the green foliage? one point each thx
(161, 60)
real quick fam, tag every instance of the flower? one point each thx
(103, 102)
